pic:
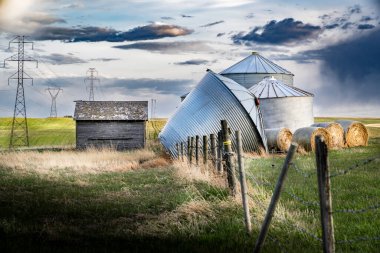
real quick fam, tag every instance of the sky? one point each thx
(147, 49)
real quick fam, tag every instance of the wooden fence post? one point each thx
(182, 151)
(228, 157)
(213, 149)
(275, 197)
(188, 148)
(325, 198)
(197, 150)
(177, 149)
(243, 183)
(191, 149)
(219, 162)
(205, 151)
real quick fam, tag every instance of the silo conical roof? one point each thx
(255, 64)
(270, 87)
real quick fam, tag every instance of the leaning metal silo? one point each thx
(216, 98)
(282, 105)
(254, 68)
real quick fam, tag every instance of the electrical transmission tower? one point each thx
(53, 94)
(19, 132)
(92, 76)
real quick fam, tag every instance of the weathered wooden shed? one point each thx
(117, 124)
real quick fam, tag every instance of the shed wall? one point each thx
(248, 80)
(289, 112)
(122, 135)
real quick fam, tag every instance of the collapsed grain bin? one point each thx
(336, 132)
(278, 139)
(282, 105)
(112, 124)
(214, 99)
(254, 68)
(355, 133)
(305, 137)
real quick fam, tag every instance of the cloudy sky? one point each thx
(147, 49)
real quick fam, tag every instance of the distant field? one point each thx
(58, 132)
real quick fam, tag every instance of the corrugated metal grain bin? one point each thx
(111, 124)
(254, 68)
(282, 105)
(215, 98)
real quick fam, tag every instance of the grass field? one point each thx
(106, 201)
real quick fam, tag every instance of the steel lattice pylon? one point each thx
(91, 78)
(19, 132)
(54, 94)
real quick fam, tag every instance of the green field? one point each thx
(60, 132)
(107, 201)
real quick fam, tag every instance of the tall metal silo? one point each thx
(216, 98)
(282, 105)
(254, 68)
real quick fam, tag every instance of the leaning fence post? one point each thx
(228, 156)
(213, 149)
(197, 149)
(275, 197)
(205, 151)
(182, 151)
(325, 199)
(243, 183)
(219, 164)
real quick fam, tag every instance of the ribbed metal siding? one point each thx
(290, 112)
(249, 79)
(210, 102)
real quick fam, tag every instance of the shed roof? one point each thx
(111, 110)
(270, 87)
(255, 64)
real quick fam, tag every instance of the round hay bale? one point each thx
(305, 137)
(336, 132)
(355, 133)
(278, 138)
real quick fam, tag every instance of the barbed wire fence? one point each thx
(302, 175)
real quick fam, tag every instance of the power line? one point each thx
(19, 131)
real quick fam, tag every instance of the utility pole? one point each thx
(53, 94)
(92, 75)
(153, 108)
(19, 132)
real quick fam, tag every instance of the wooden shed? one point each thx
(116, 124)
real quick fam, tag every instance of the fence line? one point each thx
(215, 154)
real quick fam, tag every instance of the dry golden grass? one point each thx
(85, 162)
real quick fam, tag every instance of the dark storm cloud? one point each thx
(167, 18)
(94, 34)
(59, 59)
(192, 62)
(169, 47)
(160, 86)
(365, 26)
(43, 19)
(332, 26)
(354, 65)
(366, 19)
(356, 9)
(212, 24)
(279, 32)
